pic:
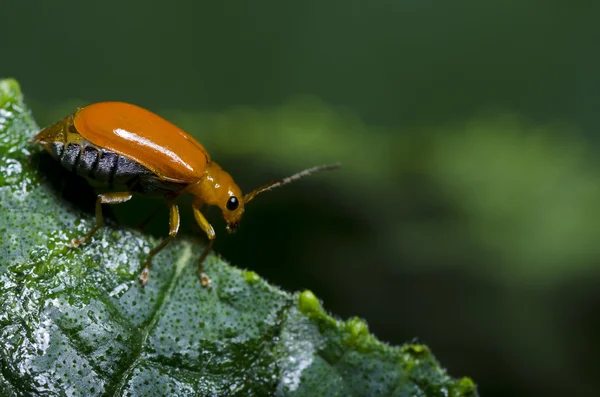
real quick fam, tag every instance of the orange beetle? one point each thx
(132, 150)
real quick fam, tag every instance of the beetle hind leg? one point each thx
(204, 279)
(210, 233)
(173, 229)
(107, 198)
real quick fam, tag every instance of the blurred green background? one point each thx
(467, 214)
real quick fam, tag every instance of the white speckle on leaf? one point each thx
(4, 116)
(295, 365)
(118, 289)
(41, 336)
(12, 167)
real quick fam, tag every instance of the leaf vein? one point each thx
(121, 379)
(79, 346)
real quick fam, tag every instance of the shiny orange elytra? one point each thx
(131, 150)
(143, 137)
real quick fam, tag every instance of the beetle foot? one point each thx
(144, 277)
(205, 281)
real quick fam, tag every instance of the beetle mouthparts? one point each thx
(231, 227)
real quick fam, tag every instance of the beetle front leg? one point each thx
(210, 233)
(173, 229)
(107, 198)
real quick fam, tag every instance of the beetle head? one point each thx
(218, 188)
(233, 209)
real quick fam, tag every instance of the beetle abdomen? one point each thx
(103, 166)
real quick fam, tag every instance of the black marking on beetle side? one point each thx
(88, 158)
(76, 161)
(128, 169)
(104, 167)
(110, 169)
(69, 156)
(113, 171)
(57, 149)
(92, 172)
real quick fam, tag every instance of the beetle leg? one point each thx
(202, 207)
(210, 233)
(173, 229)
(107, 198)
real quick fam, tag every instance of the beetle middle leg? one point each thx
(173, 229)
(106, 198)
(210, 233)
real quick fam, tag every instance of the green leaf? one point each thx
(75, 322)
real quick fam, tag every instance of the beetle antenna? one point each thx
(291, 178)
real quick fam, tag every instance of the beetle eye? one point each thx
(232, 203)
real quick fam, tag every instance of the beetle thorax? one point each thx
(218, 188)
